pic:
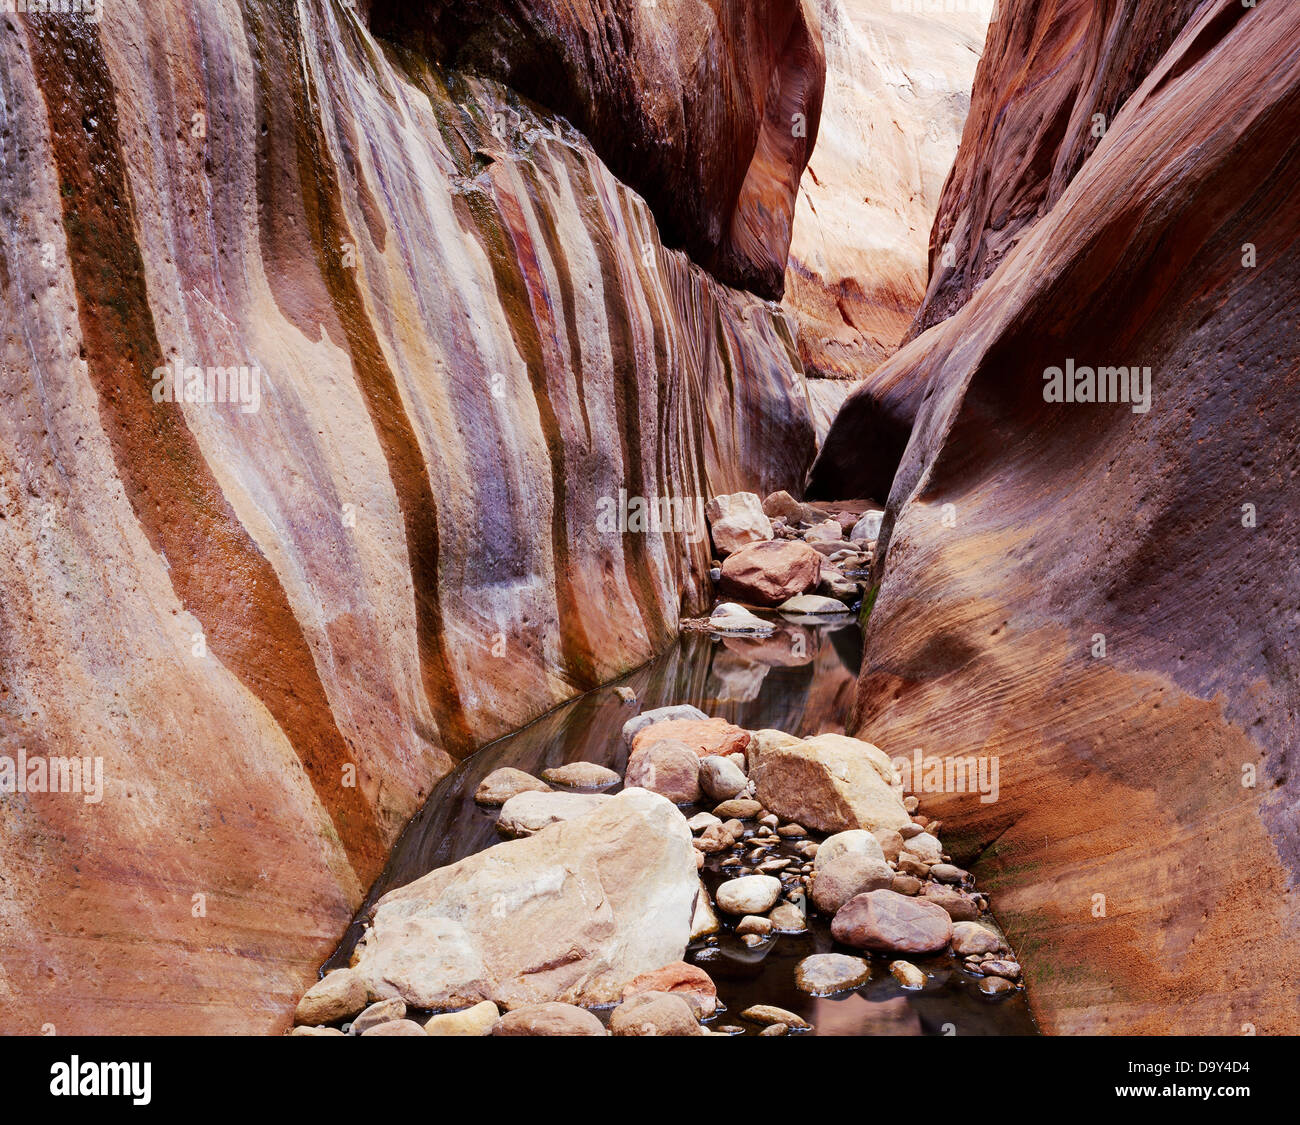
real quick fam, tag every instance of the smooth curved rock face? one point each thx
(1022, 533)
(472, 351)
(1053, 76)
(710, 110)
(573, 914)
(897, 92)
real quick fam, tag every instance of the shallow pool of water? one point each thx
(800, 680)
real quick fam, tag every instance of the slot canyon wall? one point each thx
(279, 627)
(1105, 600)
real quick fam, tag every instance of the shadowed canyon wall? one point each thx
(280, 622)
(709, 109)
(1104, 599)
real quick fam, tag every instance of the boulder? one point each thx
(828, 783)
(549, 1019)
(825, 974)
(786, 918)
(845, 876)
(828, 531)
(960, 907)
(705, 736)
(813, 605)
(750, 894)
(339, 995)
(736, 521)
(500, 785)
(731, 618)
(867, 529)
(638, 723)
(781, 505)
(382, 1011)
(477, 1020)
(665, 766)
(721, 778)
(892, 923)
(581, 775)
(571, 914)
(655, 1013)
(972, 938)
(679, 978)
(770, 573)
(530, 812)
(395, 1027)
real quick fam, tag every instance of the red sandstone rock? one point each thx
(710, 110)
(888, 922)
(1020, 532)
(688, 980)
(770, 573)
(704, 736)
(466, 343)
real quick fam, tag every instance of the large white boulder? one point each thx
(571, 914)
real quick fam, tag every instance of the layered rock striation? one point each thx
(353, 414)
(1097, 591)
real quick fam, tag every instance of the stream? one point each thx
(799, 680)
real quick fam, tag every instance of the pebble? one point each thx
(477, 1020)
(911, 804)
(771, 820)
(626, 694)
(788, 919)
(906, 885)
(907, 975)
(789, 830)
(996, 986)
(377, 1013)
(909, 864)
(776, 1029)
(825, 974)
(999, 968)
(773, 865)
(754, 924)
(702, 820)
(960, 907)
(770, 1014)
(339, 995)
(947, 873)
(735, 827)
(739, 808)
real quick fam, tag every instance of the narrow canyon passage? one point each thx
(759, 517)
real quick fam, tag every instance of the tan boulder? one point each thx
(549, 1019)
(828, 783)
(477, 1020)
(889, 922)
(339, 995)
(572, 914)
(530, 812)
(736, 521)
(500, 785)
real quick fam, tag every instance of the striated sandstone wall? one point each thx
(708, 109)
(279, 627)
(1157, 771)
